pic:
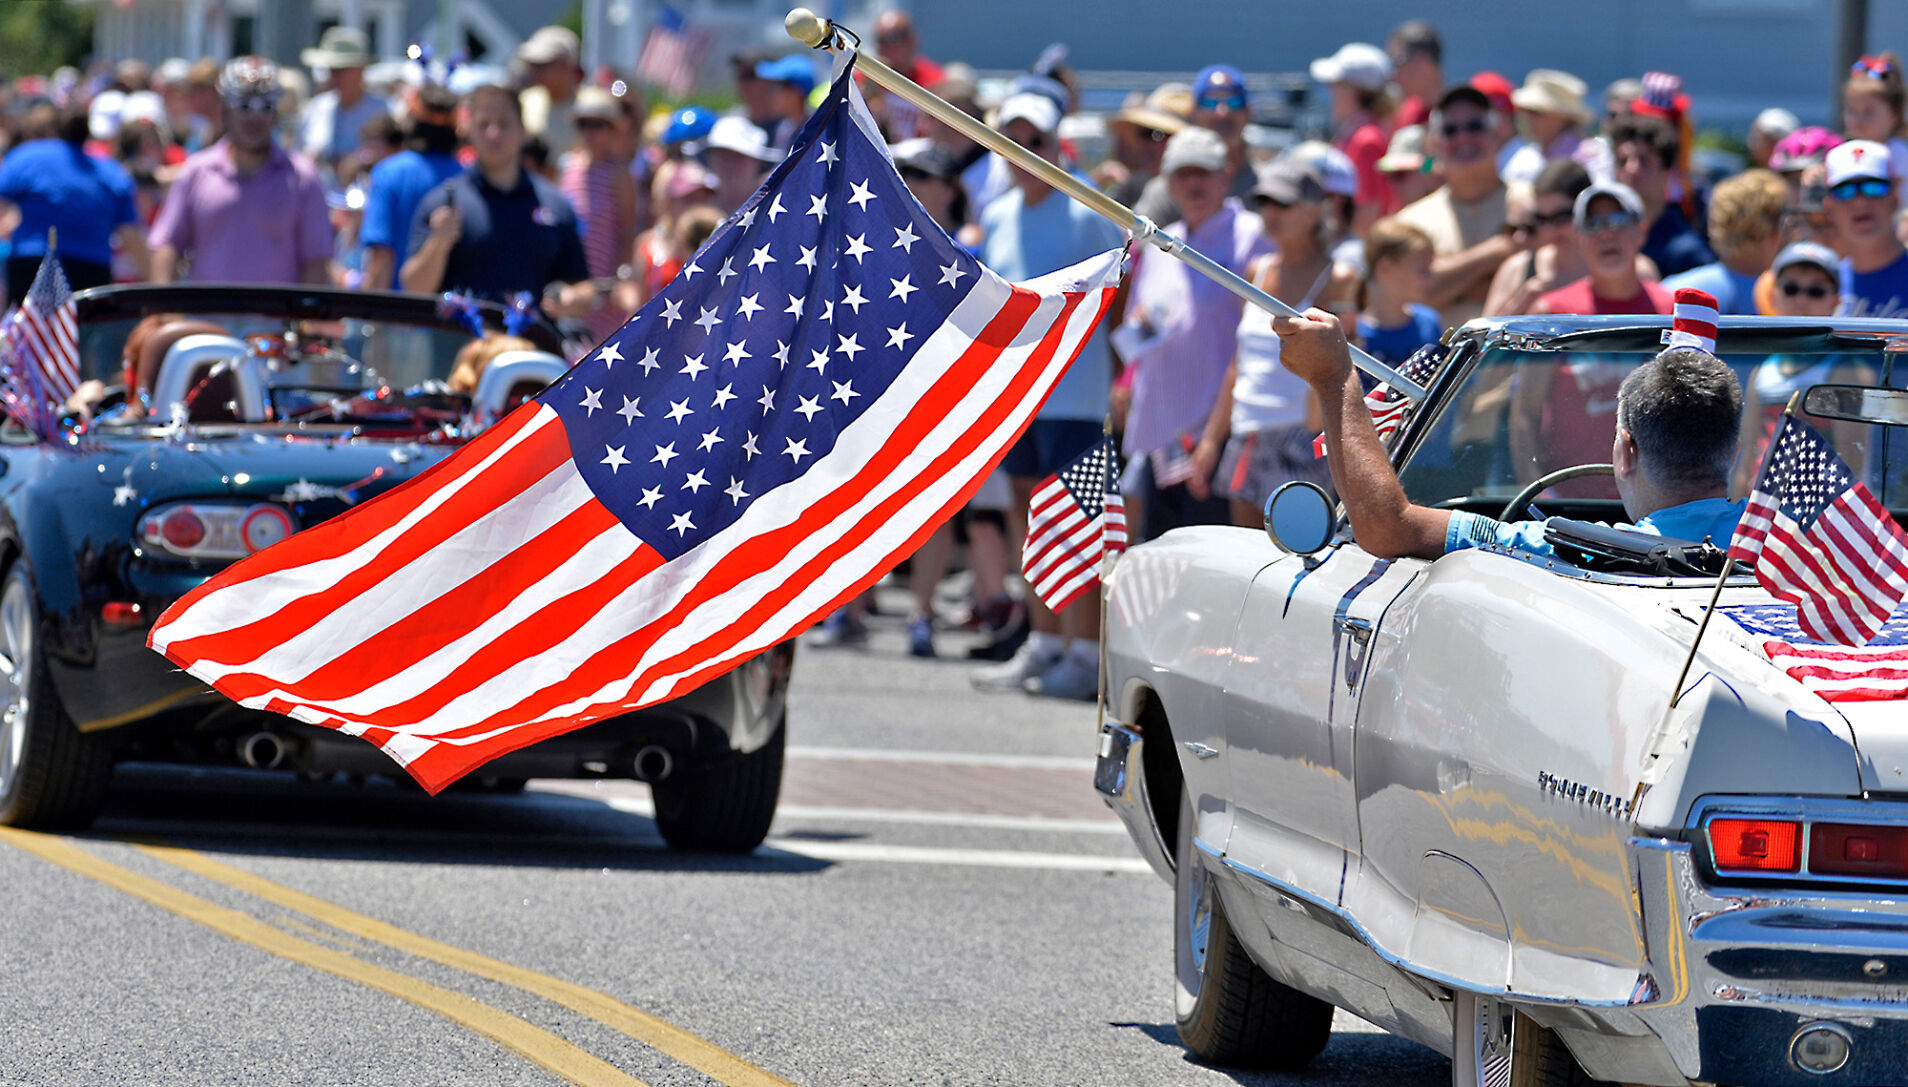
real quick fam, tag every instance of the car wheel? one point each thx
(52, 776)
(1498, 1046)
(726, 806)
(1230, 1012)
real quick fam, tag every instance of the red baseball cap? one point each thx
(1496, 88)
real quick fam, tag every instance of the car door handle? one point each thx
(1200, 750)
(1359, 630)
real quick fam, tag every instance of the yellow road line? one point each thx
(532, 1043)
(672, 1041)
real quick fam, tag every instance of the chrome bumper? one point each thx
(1121, 780)
(1741, 982)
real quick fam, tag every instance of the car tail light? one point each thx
(1852, 849)
(212, 530)
(1756, 845)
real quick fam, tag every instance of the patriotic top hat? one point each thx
(1693, 320)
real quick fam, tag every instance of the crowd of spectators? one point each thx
(1428, 201)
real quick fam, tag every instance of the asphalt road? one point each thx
(943, 901)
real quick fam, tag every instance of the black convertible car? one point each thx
(231, 417)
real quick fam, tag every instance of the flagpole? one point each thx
(1106, 567)
(1729, 564)
(810, 29)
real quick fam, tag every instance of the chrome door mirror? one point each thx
(1857, 403)
(1299, 517)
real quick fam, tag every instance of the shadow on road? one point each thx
(273, 814)
(1352, 1059)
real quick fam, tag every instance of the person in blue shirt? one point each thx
(398, 184)
(1861, 203)
(56, 185)
(1676, 433)
(1745, 227)
(1393, 319)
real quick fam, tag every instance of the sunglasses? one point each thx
(1603, 224)
(1873, 188)
(1555, 218)
(1234, 101)
(591, 122)
(1475, 127)
(1519, 228)
(1813, 290)
(253, 103)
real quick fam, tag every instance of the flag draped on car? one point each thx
(1075, 519)
(42, 341)
(826, 382)
(1820, 540)
(1874, 672)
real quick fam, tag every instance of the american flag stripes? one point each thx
(1874, 672)
(1819, 539)
(824, 384)
(1076, 518)
(45, 332)
(1389, 407)
(671, 52)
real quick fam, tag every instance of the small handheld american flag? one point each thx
(43, 336)
(1389, 407)
(1076, 518)
(1820, 540)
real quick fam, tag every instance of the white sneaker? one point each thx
(1071, 678)
(1013, 674)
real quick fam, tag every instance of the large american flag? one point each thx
(1874, 672)
(1390, 408)
(826, 382)
(671, 52)
(1820, 540)
(45, 332)
(1075, 519)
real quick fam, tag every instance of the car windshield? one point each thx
(401, 355)
(1516, 415)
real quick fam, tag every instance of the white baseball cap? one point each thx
(1358, 63)
(1193, 147)
(1036, 109)
(1856, 160)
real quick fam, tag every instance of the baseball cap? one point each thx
(794, 69)
(926, 156)
(548, 44)
(738, 135)
(1405, 153)
(1856, 160)
(1615, 190)
(688, 123)
(1775, 121)
(1220, 79)
(1333, 167)
(103, 114)
(1193, 147)
(1361, 64)
(1286, 181)
(1497, 91)
(1036, 109)
(595, 101)
(1814, 253)
(1466, 93)
(1802, 149)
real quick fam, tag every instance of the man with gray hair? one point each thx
(1676, 431)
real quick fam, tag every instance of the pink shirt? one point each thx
(257, 229)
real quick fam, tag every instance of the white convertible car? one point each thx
(1452, 797)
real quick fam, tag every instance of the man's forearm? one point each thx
(165, 264)
(424, 271)
(1383, 518)
(1457, 274)
(379, 262)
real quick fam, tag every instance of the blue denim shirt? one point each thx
(1712, 519)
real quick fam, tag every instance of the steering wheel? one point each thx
(1535, 487)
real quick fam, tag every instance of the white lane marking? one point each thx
(981, 858)
(946, 758)
(1110, 825)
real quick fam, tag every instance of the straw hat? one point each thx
(339, 47)
(1546, 90)
(1165, 110)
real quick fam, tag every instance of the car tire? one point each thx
(1494, 1045)
(726, 806)
(1229, 1012)
(52, 776)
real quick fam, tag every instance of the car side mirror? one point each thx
(1299, 517)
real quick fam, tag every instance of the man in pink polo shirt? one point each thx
(242, 210)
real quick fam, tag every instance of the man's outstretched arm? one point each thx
(1384, 521)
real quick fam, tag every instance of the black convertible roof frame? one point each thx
(292, 302)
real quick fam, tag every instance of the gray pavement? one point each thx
(943, 901)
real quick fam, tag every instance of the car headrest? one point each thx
(506, 372)
(191, 359)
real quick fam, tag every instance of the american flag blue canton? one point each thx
(794, 318)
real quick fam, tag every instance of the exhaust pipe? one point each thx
(263, 750)
(653, 763)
